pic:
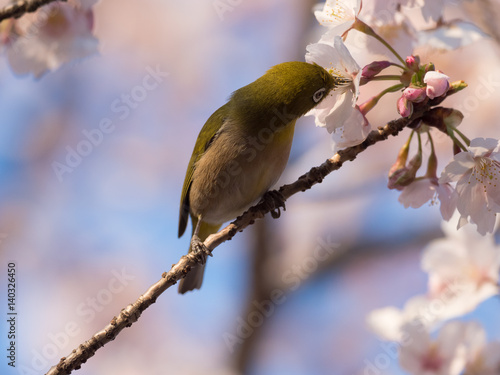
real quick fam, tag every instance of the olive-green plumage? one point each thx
(243, 148)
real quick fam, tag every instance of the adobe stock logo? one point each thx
(292, 279)
(223, 6)
(123, 107)
(58, 342)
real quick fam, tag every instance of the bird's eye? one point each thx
(318, 95)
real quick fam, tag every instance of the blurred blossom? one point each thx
(430, 9)
(61, 32)
(427, 189)
(397, 31)
(7, 33)
(450, 36)
(437, 84)
(483, 358)
(338, 110)
(478, 173)
(463, 272)
(444, 356)
(465, 257)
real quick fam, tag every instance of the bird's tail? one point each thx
(194, 278)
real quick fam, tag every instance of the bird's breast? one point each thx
(237, 169)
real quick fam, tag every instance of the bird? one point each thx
(243, 148)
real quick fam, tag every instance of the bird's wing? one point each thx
(207, 134)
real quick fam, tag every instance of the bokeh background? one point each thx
(88, 245)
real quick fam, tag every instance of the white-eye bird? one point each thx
(243, 148)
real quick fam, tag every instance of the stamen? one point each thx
(338, 78)
(486, 172)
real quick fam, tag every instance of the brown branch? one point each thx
(22, 7)
(132, 312)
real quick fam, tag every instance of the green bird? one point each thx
(243, 148)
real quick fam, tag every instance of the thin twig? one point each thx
(132, 312)
(19, 8)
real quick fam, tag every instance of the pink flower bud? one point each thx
(414, 94)
(437, 84)
(405, 108)
(412, 62)
(374, 68)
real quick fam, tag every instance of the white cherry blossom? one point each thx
(338, 15)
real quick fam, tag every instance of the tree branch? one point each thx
(22, 7)
(132, 312)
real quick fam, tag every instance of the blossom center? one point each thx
(56, 23)
(339, 78)
(337, 12)
(486, 172)
(431, 361)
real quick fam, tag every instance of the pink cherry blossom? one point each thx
(423, 190)
(478, 173)
(437, 84)
(61, 32)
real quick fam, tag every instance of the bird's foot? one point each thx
(274, 200)
(200, 250)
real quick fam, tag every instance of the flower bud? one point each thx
(374, 68)
(414, 94)
(437, 84)
(405, 176)
(456, 86)
(413, 62)
(405, 108)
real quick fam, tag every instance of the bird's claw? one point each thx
(200, 250)
(274, 200)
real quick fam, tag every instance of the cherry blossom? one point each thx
(338, 110)
(437, 84)
(423, 190)
(420, 355)
(483, 358)
(352, 132)
(477, 172)
(338, 15)
(466, 257)
(463, 271)
(61, 32)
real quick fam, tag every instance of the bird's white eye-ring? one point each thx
(318, 95)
